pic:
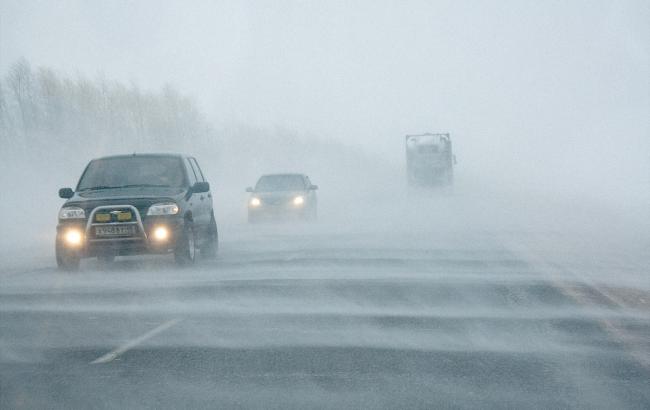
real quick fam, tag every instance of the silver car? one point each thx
(282, 196)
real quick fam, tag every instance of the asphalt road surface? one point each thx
(307, 317)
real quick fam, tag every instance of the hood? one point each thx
(139, 192)
(141, 198)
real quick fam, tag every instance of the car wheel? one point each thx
(211, 245)
(66, 259)
(185, 252)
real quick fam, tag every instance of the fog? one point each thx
(546, 96)
(547, 100)
(547, 104)
(546, 227)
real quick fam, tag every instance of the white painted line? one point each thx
(131, 344)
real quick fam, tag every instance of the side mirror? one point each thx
(313, 187)
(200, 187)
(249, 189)
(66, 193)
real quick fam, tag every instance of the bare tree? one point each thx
(5, 119)
(57, 111)
(51, 100)
(20, 81)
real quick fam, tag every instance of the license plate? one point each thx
(128, 230)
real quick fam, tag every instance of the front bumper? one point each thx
(277, 212)
(144, 242)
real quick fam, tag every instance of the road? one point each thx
(315, 317)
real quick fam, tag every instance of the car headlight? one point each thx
(72, 212)
(255, 202)
(165, 208)
(299, 200)
(73, 237)
(161, 233)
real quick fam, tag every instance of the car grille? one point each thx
(114, 215)
(275, 201)
(114, 222)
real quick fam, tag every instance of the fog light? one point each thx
(161, 233)
(298, 200)
(256, 202)
(73, 237)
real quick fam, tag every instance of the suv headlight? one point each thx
(165, 208)
(71, 212)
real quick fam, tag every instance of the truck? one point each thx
(429, 160)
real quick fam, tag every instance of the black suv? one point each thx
(137, 204)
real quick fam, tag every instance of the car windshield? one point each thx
(125, 172)
(280, 183)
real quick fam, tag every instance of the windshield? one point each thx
(280, 183)
(125, 172)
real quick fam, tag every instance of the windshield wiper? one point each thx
(97, 188)
(143, 186)
(100, 187)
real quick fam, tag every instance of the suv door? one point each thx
(194, 199)
(203, 200)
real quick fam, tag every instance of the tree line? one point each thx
(42, 110)
(60, 121)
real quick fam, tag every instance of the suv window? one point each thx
(197, 169)
(190, 171)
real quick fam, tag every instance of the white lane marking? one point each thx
(131, 344)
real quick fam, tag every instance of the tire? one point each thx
(210, 247)
(185, 252)
(67, 260)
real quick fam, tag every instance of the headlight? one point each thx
(71, 212)
(255, 202)
(299, 200)
(166, 208)
(73, 237)
(161, 233)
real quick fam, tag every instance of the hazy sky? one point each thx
(510, 79)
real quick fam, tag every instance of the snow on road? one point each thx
(465, 318)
